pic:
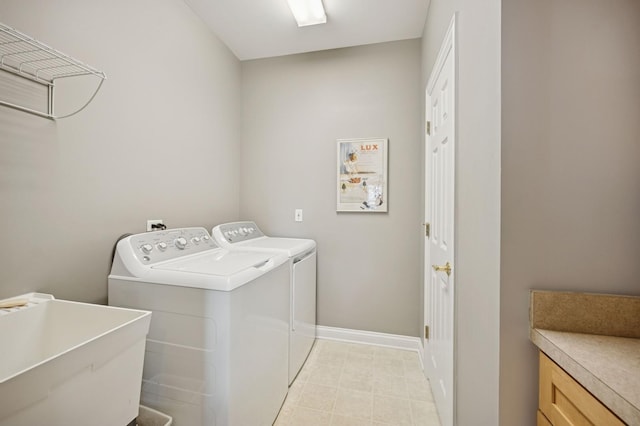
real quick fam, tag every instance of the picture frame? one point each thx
(362, 175)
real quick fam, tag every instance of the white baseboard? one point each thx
(372, 338)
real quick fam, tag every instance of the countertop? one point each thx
(596, 339)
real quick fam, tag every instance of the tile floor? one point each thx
(348, 384)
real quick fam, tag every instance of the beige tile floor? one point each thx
(348, 384)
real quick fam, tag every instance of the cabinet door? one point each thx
(564, 402)
(542, 420)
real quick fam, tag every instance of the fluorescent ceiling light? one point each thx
(308, 12)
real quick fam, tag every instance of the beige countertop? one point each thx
(603, 353)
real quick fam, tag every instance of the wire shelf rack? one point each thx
(31, 59)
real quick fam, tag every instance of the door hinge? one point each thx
(427, 229)
(426, 332)
(428, 128)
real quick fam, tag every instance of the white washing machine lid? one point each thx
(219, 262)
(188, 257)
(217, 269)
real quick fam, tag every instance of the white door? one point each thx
(439, 214)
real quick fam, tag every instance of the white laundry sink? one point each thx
(64, 363)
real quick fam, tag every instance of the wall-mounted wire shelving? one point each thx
(30, 59)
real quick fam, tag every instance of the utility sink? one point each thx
(64, 363)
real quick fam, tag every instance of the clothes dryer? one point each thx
(217, 347)
(247, 236)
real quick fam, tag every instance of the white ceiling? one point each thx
(263, 28)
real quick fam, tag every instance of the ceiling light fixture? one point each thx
(308, 12)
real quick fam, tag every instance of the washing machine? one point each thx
(217, 347)
(302, 272)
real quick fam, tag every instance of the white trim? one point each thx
(395, 341)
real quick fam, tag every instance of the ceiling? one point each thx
(255, 29)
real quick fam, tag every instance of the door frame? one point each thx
(448, 47)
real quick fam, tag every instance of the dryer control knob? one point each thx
(162, 246)
(196, 240)
(146, 248)
(181, 243)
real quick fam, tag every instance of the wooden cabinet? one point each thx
(564, 402)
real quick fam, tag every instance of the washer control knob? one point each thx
(243, 231)
(205, 238)
(196, 240)
(162, 246)
(181, 243)
(146, 248)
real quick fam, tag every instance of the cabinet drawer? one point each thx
(564, 402)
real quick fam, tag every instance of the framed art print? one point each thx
(362, 175)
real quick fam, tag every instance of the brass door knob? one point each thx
(446, 268)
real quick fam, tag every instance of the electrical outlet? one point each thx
(298, 215)
(156, 222)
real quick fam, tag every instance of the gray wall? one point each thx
(161, 140)
(570, 175)
(294, 109)
(477, 201)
